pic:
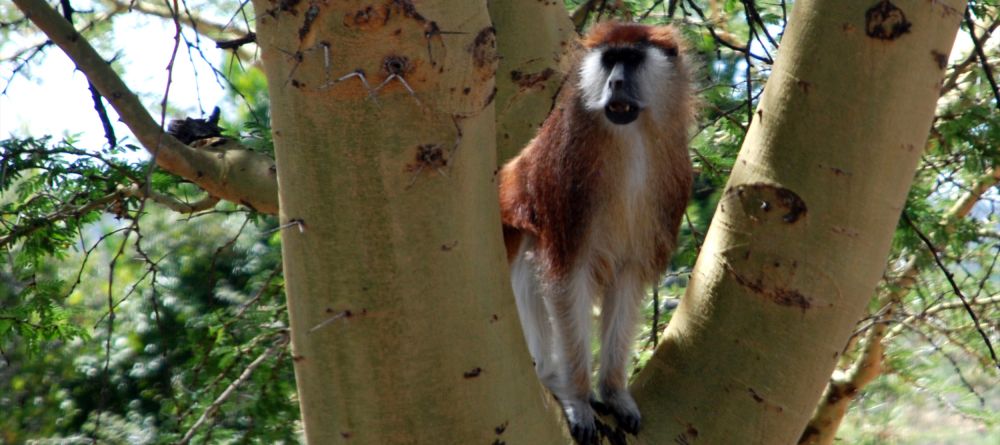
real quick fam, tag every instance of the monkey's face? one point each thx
(623, 80)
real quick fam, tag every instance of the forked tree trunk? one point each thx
(801, 234)
(403, 327)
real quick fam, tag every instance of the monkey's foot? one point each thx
(624, 409)
(580, 417)
(599, 407)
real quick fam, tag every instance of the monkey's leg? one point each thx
(570, 305)
(619, 315)
(533, 313)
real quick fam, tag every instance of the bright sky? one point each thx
(54, 100)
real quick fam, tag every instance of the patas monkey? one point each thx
(591, 209)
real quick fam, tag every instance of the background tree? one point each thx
(185, 342)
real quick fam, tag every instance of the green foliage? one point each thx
(49, 191)
(123, 323)
(49, 194)
(206, 300)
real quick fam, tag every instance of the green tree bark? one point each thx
(538, 43)
(801, 234)
(403, 328)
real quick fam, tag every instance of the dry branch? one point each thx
(215, 31)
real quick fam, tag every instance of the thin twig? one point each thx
(670, 14)
(987, 70)
(960, 68)
(233, 44)
(656, 315)
(228, 392)
(102, 113)
(754, 15)
(954, 286)
(719, 40)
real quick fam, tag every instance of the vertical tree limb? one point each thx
(538, 42)
(799, 239)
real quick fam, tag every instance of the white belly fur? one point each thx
(623, 230)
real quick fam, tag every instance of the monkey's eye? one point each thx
(628, 56)
(670, 51)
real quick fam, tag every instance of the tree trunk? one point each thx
(802, 231)
(403, 327)
(538, 42)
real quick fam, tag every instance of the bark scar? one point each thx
(528, 81)
(885, 21)
(783, 296)
(307, 22)
(759, 199)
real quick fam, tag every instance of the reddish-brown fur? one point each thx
(613, 33)
(549, 192)
(555, 204)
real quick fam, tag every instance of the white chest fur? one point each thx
(636, 172)
(625, 221)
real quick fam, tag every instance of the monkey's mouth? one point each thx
(621, 112)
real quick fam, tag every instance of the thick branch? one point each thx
(229, 171)
(964, 204)
(843, 387)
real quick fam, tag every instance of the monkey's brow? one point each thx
(628, 55)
